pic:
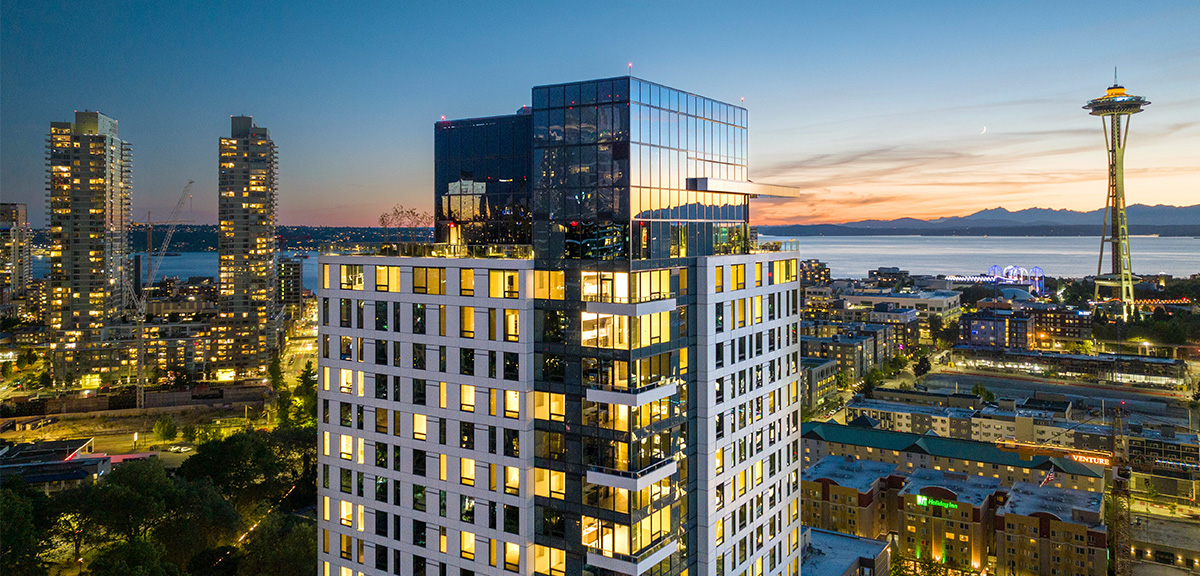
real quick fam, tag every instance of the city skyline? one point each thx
(900, 131)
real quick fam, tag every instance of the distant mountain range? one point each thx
(1143, 219)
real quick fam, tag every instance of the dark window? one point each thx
(344, 307)
(441, 358)
(381, 356)
(418, 391)
(418, 461)
(466, 435)
(381, 491)
(347, 480)
(466, 509)
(512, 443)
(418, 356)
(418, 318)
(418, 532)
(491, 363)
(381, 386)
(466, 361)
(512, 519)
(418, 494)
(347, 413)
(512, 366)
(381, 455)
(381, 315)
(381, 526)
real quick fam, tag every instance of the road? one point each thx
(1145, 403)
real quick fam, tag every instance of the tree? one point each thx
(843, 380)
(137, 557)
(981, 391)
(165, 429)
(280, 545)
(6, 369)
(23, 529)
(188, 433)
(45, 380)
(874, 378)
(275, 372)
(306, 396)
(923, 366)
(75, 518)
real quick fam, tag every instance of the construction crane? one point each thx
(1117, 460)
(138, 300)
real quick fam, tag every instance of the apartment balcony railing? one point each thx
(429, 250)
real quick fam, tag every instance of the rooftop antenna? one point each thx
(631, 68)
(1115, 76)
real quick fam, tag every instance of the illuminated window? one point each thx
(512, 480)
(467, 545)
(352, 277)
(419, 423)
(549, 406)
(549, 483)
(503, 284)
(512, 557)
(548, 560)
(466, 282)
(387, 278)
(512, 404)
(512, 325)
(466, 400)
(719, 279)
(549, 285)
(347, 447)
(467, 475)
(429, 280)
(466, 321)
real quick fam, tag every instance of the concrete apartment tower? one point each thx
(89, 192)
(247, 329)
(593, 371)
(15, 260)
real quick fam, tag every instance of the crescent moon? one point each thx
(984, 130)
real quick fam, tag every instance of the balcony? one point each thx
(655, 390)
(633, 565)
(629, 306)
(632, 480)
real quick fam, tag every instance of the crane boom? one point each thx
(139, 300)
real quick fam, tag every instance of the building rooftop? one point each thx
(848, 472)
(812, 362)
(971, 489)
(429, 250)
(967, 450)
(1165, 532)
(829, 553)
(1026, 498)
(885, 406)
(41, 452)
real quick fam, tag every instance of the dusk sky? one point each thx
(875, 110)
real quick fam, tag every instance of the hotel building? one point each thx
(592, 370)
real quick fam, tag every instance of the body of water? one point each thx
(1058, 256)
(188, 264)
(853, 256)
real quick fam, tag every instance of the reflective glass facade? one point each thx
(481, 180)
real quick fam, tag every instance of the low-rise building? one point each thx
(845, 494)
(53, 465)
(948, 517)
(1047, 530)
(996, 328)
(819, 377)
(827, 553)
(916, 451)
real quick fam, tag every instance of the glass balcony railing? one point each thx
(617, 299)
(429, 250)
(632, 473)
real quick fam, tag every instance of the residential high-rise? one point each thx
(247, 326)
(89, 184)
(616, 391)
(15, 260)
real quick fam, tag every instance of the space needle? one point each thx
(1115, 108)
